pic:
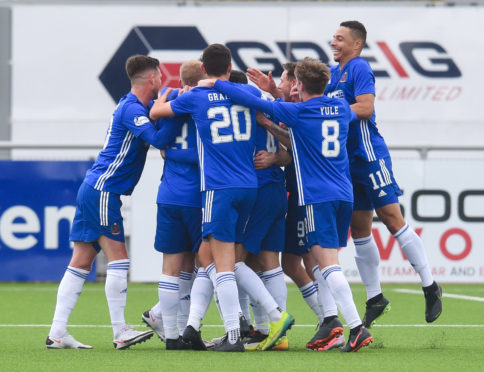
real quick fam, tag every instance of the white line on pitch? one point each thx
(449, 295)
(220, 325)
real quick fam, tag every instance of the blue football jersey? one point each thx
(318, 129)
(357, 78)
(226, 137)
(119, 165)
(180, 182)
(265, 141)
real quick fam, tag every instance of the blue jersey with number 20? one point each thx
(226, 136)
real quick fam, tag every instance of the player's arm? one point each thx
(187, 156)
(160, 138)
(281, 134)
(243, 97)
(364, 106)
(161, 108)
(264, 82)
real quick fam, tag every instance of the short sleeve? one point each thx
(183, 104)
(136, 119)
(363, 79)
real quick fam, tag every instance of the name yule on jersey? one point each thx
(329, 110)
(217, 97)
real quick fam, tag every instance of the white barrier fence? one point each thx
(443, 201)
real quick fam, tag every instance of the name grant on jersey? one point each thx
(216, 97)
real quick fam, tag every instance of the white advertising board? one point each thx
(425, 60)
(443, 201)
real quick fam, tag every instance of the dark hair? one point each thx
(290, 67)
(357, 29)
(216, 59)
(137, 64)
(314, 74)
(237, 76)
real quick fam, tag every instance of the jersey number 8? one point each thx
(229, 118)
(330, 139)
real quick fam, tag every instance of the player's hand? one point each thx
(264, 159)
(206, 82)
(263, 81)
(185, 89)
(283, 126)
(162, 152)
(294, 94)
(164, 96)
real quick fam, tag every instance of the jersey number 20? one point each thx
(231, 117)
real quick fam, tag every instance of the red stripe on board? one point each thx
(393, 60)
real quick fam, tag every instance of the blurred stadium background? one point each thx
(62, 71)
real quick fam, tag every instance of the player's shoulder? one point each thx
(252, 89)
(131, 109)
(339, 102)
(333, 68)
(360, 64)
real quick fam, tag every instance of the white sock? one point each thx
(367, 259)
(156, 310)
(169, 295)
(340, 289)
(251, 283)
(186, 281)
(201, 295)
(228, 297)
(310, 295)
(116, 289)
(261, 319)
(276, 285)
(414, 249)
(325, 298)
(212, 274)
(244, 304)
(70, 288)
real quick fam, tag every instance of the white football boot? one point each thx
(129, 337)
(66, 342)
(154, 323)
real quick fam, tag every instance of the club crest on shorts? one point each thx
(115, 229)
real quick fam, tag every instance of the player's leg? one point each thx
(295, 248)
(413, 248)
(200, 298)
(70, 288)
(384, 193)
(116, 288)
(273, 243)
(187, 273)
(169, 298)
(330, 323)
(220, 217)
(226, 287)
(86, 228)
(328, 225)
(260, 329)
(367, 256)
